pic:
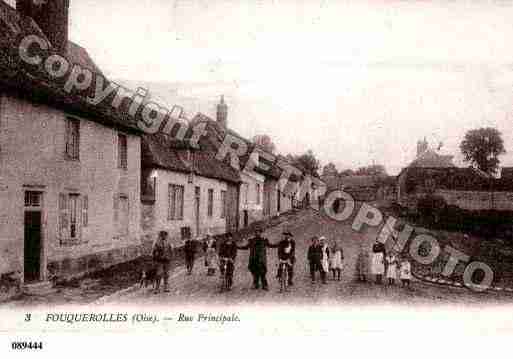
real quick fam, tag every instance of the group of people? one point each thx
(390, 265)
(322, 258)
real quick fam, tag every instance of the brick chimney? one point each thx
(222, 113)
(51, 16)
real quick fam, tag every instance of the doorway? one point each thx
(246, 218)
(32, 237)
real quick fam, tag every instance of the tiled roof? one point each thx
(161, 152)
(35, 84)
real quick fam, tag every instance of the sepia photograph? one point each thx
(249, 169)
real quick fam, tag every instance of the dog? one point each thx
(149, 277)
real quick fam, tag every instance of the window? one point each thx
(223, 204)
(122, 152)
(245, 193)
(258, 193)
(72, 217)
(73, 139)
(32, 199)
(175, 202)
(210, 208)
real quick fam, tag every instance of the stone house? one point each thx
(69, 171)
(186, 191)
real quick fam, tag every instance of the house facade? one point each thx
(69, 189)
(185, 191)
(69, 174)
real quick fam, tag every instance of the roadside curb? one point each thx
(450, 283)
(107, 298)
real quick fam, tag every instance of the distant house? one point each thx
(185, 190)
(360, 187)
(69, 172)
(428, 157)
(465, 188)
(432, 174)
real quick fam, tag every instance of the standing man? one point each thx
(162, 255)
(287, 252)
(314, 259)
(189, 249)
(258, 259)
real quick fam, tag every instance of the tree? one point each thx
(306, 162)
(265, 143)
(373, 170)
(330, 170)
(482, 147)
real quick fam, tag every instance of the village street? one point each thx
(203, 290)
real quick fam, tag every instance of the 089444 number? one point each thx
(27, 345)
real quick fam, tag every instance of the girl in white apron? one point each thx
(378, 261)
(336, 257)
(391, 261)
(405, 272)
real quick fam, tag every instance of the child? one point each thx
(378, 260)
(391, 261)
(405, 272)
(337, 255)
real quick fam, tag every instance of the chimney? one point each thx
(52, 18)
(222, 113)
(422, 147)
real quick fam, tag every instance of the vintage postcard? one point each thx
(217, 175)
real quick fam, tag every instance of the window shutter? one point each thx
(63, 217)
(116, 208)
(85, 211)
(77, 139)
(180, 201)
(67, 138)
(171, 202)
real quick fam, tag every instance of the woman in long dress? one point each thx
(325, 256)
(378, 261)
(210, 254)
(336, 257)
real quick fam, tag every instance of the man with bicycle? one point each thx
(227, 255)
(287, 255)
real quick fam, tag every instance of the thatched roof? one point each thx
(33, 83)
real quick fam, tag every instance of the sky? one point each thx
(356, 82)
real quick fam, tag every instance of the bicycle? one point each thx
(226, 274)
(283, 268)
